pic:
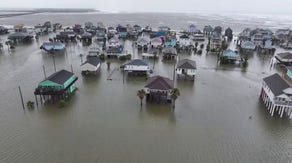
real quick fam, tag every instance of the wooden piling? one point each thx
(21, 98)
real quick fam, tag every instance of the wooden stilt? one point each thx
(273, 109)
(282, 111)
(36, 100)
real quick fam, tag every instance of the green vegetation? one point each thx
(30, 105)
(174, 95)
(62, 103)
(141, 94)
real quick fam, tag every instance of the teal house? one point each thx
(289, 72)
(58, 86)
(230, 56)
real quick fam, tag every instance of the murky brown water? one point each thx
(103, 122)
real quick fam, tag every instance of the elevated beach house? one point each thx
(158, 89)
(114, 47)
(186, 68)
(284, 58)
(198, 37)
(169, 53)
(137, 67)
(66, 36)
(3, 30)
(143, 43)
(58, 86)
(20, 37)
(91, 66)
(229, 56)
(52, 47)
(185, 42)
(276, 94)
(247, 47)
(215, 41)
(156, 42)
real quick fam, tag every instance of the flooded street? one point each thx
(103, 121)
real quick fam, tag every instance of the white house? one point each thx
(186, 68)
(114, 42)
(156, 42)
(276, 94)
(90, 66)
(257, 38)
(198, 37)
(143, 43)
(184, 41)
(137, 66)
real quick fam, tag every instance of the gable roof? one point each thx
(137, 62)
(187, 64)
(94, 61)
(231, 54)
(286, 55)
(160, 83)
(53, 46)
(248, 45)
(60, 77)
(169, 50)
(276, 84)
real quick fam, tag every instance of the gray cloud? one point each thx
(262, 6)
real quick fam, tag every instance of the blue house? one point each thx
(170, 42)
(247, 46)
(122, 31)
(53, 46)
(162, 31)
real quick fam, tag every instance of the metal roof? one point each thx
(276, 84)
(187, 64)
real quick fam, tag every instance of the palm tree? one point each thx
(208, 48)
(174, 95)
(196, 44)
(141, 94)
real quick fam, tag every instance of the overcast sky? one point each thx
(259, 6)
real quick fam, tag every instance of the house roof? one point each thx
(276, 84)
(169, 50)
(143, 40)
(187, 64)
(60, 77)
(94, 61)
(137, 62)
(160, 83)
(19, 35)
(53, 46)
(248, 45)
(184, 37)
(286, 55)
(230, 54)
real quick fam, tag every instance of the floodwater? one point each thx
(103, 122)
